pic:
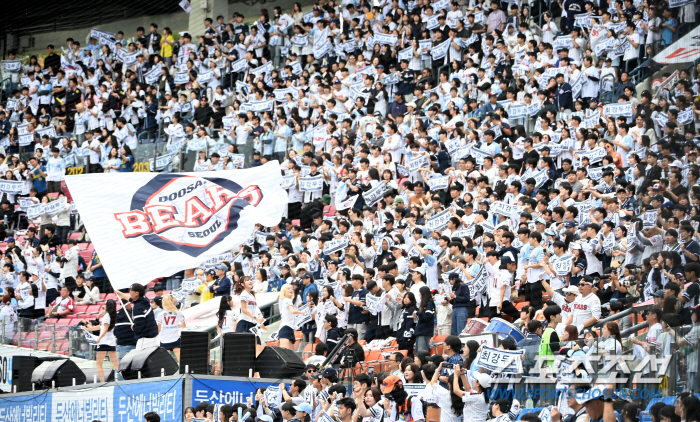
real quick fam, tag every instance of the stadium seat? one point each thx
(80, 310)
(296, 222)
(521, 305)
(439, 343)
(75, 235)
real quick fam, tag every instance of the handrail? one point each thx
(621, 315)
(634, 329)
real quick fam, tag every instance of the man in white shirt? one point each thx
(653, 318)
(54, 171)
(632, 53)
(586, 307)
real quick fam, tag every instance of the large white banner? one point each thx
(164, 223)
(682, 51)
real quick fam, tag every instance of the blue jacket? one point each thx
(462, 299)
(144, 319)
(151, 111)
(564, 97)
(426, 321)
(310, 288)
(122, 330)
(221, 288)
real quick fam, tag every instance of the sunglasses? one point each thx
(311, 371)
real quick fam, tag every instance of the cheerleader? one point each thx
(169, 323)
(287, 310)
(227, 317)
(250, 314)
(106, 342)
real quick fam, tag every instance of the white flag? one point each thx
(164, 223)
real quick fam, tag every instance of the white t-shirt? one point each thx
(108, 339)
(169, 321)
(585, 308)
(475, 407)
(444, 401)
(287, 316)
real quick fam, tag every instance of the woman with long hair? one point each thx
(106, 342)
(475, 405)
(127, 164)
(286, 332)
(412, 374)
(250, 314)
(226, 316)
(451, 405)
(404, 335)
(169, 323)
(425, 319)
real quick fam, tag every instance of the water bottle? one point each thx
(5, 220)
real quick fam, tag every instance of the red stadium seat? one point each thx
(296, 222)
(75, 235)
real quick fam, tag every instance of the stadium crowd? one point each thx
(445, 163)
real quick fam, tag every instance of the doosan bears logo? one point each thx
(186, 213)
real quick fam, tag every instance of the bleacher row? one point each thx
(44, 330)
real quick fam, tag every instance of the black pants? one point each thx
(294, 210)
(533, 294)
(507, 308)
(379, 332)
(95, 168)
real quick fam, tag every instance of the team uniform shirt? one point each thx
(653, 335)
(27, 301)
(416, 411)
(585, 308)
(476, 408)
(251, 306)
(63, 304)
(109, 339)
(169, 321)
(287, 316)
(229, 322)
(444, 400)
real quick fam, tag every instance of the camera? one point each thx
(635, 271)
(446, 365)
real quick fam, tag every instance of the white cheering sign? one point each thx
(385, 39)
(618, 109)
(11, 186)
(534, 108)
(322, 48)
(562, 265)
(439, 220)
(685, 117)
(595, 155)
(501, 361)
(311, 183)
(258, 106)
(12, 65)
(289, 181)
(418, 162)
(239, 65)
(152, 75)
(335, 245)
(437, 183)
(563, 41)
(181, 78)
(406, 54)
(373, 195)
(166, 223)
(440, 50)
(649, 218)
(604, 45)
(517, 111)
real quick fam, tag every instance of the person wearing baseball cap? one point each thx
(475, 395)
(222, 287)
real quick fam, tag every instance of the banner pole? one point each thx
(122, 303)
